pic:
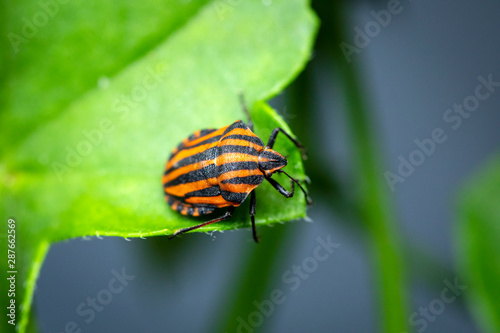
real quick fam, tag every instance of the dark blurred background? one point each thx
(426, 59)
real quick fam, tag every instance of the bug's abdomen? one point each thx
(187, 209)
(191, 171)
(191, 178)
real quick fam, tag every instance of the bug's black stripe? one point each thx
(235, 166)
(193, 176)
(204, 142)
(208, 154)
(202, 208)
(238, 149)
(211, 171)
(236, 124)
(213, 152)
(274, 160)
(234, 148)
(206, 131)
(205, 209)
(269, 165)
(250, 180)
(180, 207)
(206, 192)
(270, 155)
(234, 197)
(171, 200)
(273, 164)
(202, 133)
(252, 139)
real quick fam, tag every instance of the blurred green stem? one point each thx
(253, 281)
(375, 207)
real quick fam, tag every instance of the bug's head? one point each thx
(271, 161)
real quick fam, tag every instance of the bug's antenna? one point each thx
(308, 199)
(245, 109)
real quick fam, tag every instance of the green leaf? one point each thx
(478, 243)
(82, 159)
(57, 62)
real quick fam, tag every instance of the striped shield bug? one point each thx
(218, 168)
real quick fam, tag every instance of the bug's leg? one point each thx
(281, 189)
(274, 134)
(290, 193)
(245, 109)
(295, 181)
(253, 202)
(228, 214)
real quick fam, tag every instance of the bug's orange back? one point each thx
(213, 168)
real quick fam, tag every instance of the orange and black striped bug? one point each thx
(217, 168)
